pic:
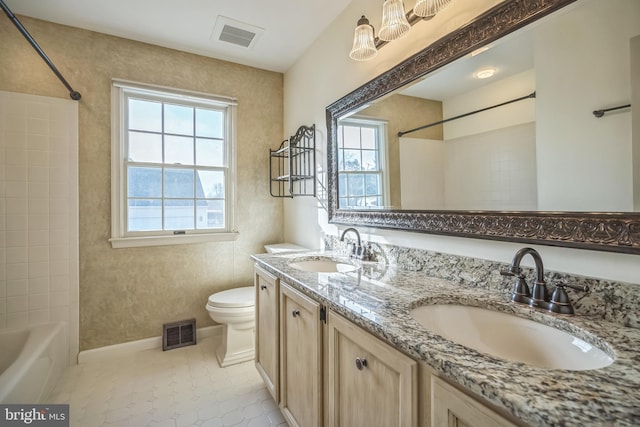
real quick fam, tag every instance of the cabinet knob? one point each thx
(361, 363)
(295, 313)
(263, 287)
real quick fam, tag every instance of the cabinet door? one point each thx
(452, 408)
(300, 363)
(370, 383)
(267, 331)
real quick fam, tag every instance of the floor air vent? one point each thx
(178, 334)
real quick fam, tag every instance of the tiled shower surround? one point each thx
(609, 300)
(38, 212)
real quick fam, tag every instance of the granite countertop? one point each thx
(379, 297)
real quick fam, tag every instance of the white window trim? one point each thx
(118, 236)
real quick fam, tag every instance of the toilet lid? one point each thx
(238, 297)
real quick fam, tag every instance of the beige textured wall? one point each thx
(404, 113)
(126, 294)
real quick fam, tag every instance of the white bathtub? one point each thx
(31, 362)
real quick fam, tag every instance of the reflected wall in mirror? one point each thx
(542, 169)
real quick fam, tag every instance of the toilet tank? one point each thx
(278, 248)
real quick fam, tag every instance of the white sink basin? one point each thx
(322, 265)
(510, 337)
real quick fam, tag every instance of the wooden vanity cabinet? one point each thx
(339, 375)
(300, 358)
(267, 359)
(369, 382)
(451, 407)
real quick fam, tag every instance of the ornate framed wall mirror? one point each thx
(547, 168)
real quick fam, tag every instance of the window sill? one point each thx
(184, 239)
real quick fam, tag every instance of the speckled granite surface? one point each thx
(379, 296)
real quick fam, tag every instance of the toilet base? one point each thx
(238, 344)
(231, 359)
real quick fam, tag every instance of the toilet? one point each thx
(235, 310)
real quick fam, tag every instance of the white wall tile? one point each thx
(38, 203)
(38, 237)
(16, 222)
(15, 206)
(38, 127)
(38, 269)
(38, 285)
(17, 304)
(16, 255)
(16, 189)
(38, 301)
(37, 317)
(16, 139)
(38, 110)
(17, 320)
(17, 271)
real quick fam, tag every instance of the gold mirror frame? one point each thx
(602, 231)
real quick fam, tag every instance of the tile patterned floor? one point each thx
(176, 388)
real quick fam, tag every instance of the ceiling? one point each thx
(290, 26)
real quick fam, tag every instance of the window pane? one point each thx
(342, 185)
(351, 137)
(373, 185)
(144, 182)
(178, 119)
(355, 185)
(369, 160)
(144, 214)
(145, 115)
(210, 184)
(209, 123)
(178, 150)
(210, 214)
(352, 160)
(354, 202)
(374, 202)
(178, 214)
(209, 152)
(369, 138)
(145, 147)
(178, 183)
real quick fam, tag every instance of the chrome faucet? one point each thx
(358, 251)
(538, 297)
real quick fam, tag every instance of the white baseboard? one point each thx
(110, 351)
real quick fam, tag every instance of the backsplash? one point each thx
(617, 302)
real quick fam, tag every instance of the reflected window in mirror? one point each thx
(362, 146)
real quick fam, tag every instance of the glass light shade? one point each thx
(394, 21)
(428, 8)
(364, 46)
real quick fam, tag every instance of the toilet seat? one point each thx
(233, 298)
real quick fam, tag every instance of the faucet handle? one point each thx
(560, 302)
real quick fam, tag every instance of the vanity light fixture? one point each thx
(395, 24)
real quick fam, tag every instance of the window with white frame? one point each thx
(362, 183)
(173, 160)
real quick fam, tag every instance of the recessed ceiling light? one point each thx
(485, 73)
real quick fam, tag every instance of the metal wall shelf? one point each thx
(293, 164)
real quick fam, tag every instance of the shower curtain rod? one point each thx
(72, 93)
(600, 113)
(522, 98)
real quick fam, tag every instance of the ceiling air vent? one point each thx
(235, 32)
